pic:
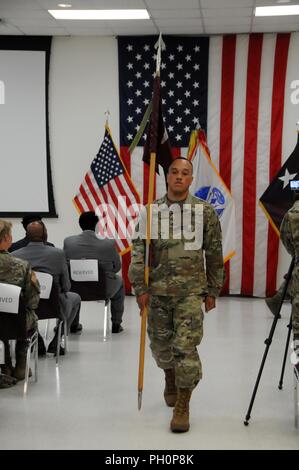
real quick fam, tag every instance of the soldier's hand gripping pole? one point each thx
(268, 342)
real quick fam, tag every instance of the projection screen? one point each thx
(25, 174)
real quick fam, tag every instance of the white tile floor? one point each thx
(91, 403)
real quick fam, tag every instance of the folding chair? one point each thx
(13, 324)
(88, 279)
(49, 306)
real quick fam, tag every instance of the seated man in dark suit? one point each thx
(27, 219)
(51, 260)
(87, 245)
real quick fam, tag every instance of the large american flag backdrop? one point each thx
(234, 86)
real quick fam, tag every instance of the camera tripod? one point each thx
(268, 342)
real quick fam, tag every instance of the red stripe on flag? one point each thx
(250, 159)
(279, 77)
(112, 213)
(132, 187)
(126, 259)
(226, 119)
(86, 198)
(78, 203)
(92, 190)
(126, 158)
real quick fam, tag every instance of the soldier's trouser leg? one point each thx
(71, 307)
(175, 328)
(21, 356)
(117, 305)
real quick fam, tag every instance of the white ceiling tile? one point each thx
(13, 4)
(183, 30)
(172, 4)
(274, 21)
(277, 29)
(227, 21)
(189, 13)
(26, 22)
(182, 22)
(227, 3)
(87, 32)
(72, 28)
(19, 13)
(262, 3)
(222, 12)
(7, 29)
(39, 31)
(93, 4)
(123, 29)
(227, 29)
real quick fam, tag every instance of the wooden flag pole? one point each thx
(146, 277)
(159, 45)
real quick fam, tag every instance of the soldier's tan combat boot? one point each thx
(180, 419)
(170, 391)
(21, 356)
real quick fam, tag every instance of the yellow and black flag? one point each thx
(278, 197)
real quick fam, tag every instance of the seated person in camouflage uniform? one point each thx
(289, 234)
(183, 275)
(18, 272)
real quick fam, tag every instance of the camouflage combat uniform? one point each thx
(289, 233)
(177, 286)
(18, 272)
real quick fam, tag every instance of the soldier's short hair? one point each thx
(181, 158)
(5, 229)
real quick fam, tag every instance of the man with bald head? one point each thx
(50, 260)
(27, 219)
(186, 270)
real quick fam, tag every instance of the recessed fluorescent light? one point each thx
(99, 14)
(64, 5)
(277, 10)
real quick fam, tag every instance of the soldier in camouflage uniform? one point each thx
(289, 234)
(18, 272)
(181, 279)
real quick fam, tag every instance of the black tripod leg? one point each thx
(268, 342)
(285, 353)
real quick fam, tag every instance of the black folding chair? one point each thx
(94, 291)
(13, 327)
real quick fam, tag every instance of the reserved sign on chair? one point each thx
(84, 270)
(45, 281)
(9, 298)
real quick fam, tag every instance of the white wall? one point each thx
(83, 85)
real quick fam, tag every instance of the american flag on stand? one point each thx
(107, 189)
(183, 80)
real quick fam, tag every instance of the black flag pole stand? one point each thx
(268, 342)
